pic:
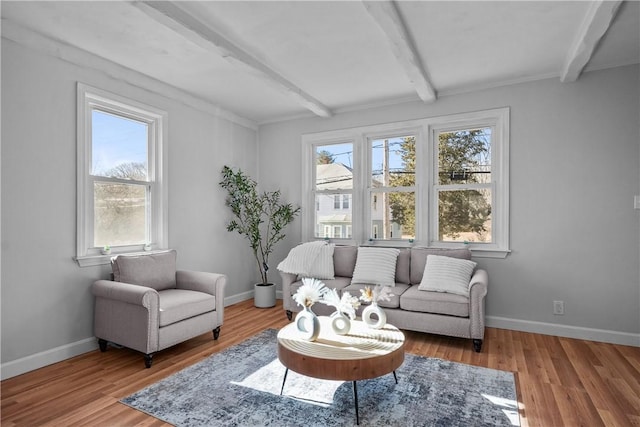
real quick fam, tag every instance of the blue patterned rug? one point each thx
(240, 386)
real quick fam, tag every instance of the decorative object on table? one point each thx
(241, 386)
(379, 293)
(261, 218)
(311, 291)
(345, 310)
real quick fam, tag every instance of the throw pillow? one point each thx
(322, 268)
(447, 274)
(376, 266)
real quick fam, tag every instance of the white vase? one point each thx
(308, 324)
(374, 316)
(340, 323)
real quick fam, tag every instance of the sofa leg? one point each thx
(103, 344)
(289, 315)
(477, 345)
(148, 360)
(216, 333)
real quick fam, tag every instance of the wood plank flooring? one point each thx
(559, 381)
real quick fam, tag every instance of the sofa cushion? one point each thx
(403, 266)
(419, 259)
(180, 304)
(157, 271)
(344, 260)
(447, 274)
(414, 299)
(397, 290)
(376, 266)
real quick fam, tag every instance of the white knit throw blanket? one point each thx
(301, 259)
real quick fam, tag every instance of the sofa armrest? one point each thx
(126, 292)
(287, 280)
(478, 287)
(210, 283)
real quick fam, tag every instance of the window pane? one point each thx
(118, 146)
(464, 215)
(464, 156)
(331, 220)
(334, 167)
(393, 162)
(119, 214)
(393, 215)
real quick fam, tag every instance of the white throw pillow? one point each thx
(447, 274)
(322, 268)
(376, 266)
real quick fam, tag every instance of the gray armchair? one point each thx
(150, 306)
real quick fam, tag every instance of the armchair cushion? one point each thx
(157, 271)
(434, 302)
(179, 304)
(447, 274)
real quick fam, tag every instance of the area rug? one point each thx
(241, 387)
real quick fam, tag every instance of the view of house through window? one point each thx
(333, 189)
(119, 148)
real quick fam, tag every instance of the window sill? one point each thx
(93, 260)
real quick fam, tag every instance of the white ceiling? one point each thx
(266, 60)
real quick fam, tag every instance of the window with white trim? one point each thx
(121, 176)
(438, 182)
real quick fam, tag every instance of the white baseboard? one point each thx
(48, 357)
(58, 354)
(567, 331)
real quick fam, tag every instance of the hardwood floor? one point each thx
(559, 381)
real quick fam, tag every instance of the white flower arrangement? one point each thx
(347, 304)
(379, 293)
(311, 291)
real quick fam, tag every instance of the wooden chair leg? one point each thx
(216, 333)
(103, 344)
(289, 315)
(148, 360)
(477, 345)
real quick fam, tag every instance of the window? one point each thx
(121, 191)
(332, 189)
(438, 182)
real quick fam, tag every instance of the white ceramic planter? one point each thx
(264, 296)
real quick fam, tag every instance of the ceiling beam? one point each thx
(596, 23)
(173, 15)
(388, 19)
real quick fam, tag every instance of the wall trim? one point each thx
(31, 39)
(47, 357)
(566, 331)
(59, 354)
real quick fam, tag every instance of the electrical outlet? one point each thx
(558, 307)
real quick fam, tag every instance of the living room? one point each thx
(574, 168)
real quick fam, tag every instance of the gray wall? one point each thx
(47, 307)
(574, 172)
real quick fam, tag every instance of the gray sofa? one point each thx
(409, 308)
(150, 306)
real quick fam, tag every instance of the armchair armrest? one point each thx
(210, 283)
(127, 314)
(126, 292)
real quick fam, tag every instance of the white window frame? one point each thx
(88, 99)
(426, 178)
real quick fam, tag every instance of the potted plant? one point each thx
(261, 218)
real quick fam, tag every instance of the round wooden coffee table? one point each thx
(363, 353)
